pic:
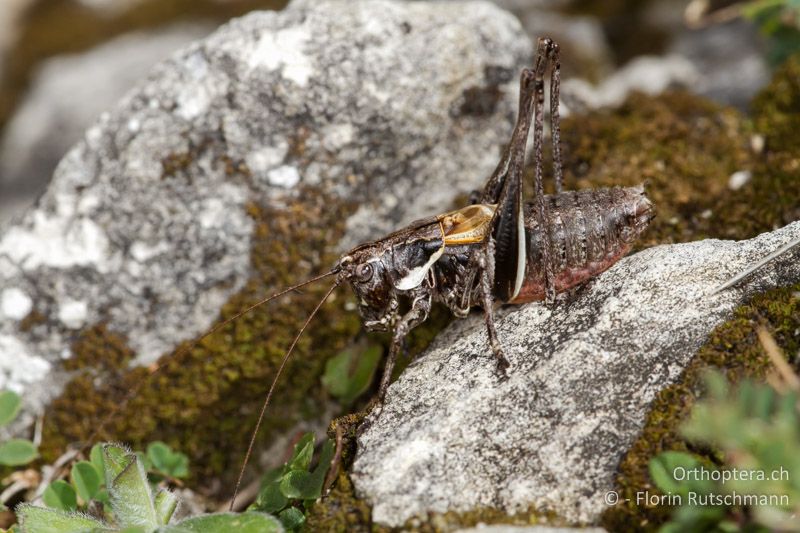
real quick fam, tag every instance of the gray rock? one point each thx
(582, 376)
(377, 89)
(647, 74)
(730, 58)
(67, 95)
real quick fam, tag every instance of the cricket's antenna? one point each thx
(117, 407)
(752, 268)
(272, 388)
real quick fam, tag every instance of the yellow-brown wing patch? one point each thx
(468, 225)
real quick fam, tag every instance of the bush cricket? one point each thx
(497, 250)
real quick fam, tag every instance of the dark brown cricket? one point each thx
(499, 249)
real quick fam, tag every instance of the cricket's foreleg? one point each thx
(487, 302)
(420, 307)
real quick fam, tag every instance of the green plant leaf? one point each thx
(35, 519)
(298, 484)
(60, 495)
(292, 518)
(166, 461)
(349, 373)
(249, 522)
(131, 498)
(10, 403)
(16, 452)
(270, 498)
(115, 460)
(303, 451)
(165, 503)
(308, 485)
(663, 467)
(85, 479)
(96, 458)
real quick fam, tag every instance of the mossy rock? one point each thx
(686, 148)
(199, 402)
(734, 349)
(771, 199)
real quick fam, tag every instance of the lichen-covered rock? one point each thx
(450, 436)
(46, 124)
(150, 222)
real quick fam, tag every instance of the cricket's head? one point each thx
(638, 210)
(364, 268)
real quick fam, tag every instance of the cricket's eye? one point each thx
(364, 272)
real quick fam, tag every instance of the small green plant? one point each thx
(779, 21)
(118, 477)
(348, 375)
(295, 485)
(14, 452)
(754, 431)
(87, 478)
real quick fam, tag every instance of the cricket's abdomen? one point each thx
(589, 231)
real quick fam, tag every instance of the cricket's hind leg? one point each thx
(547, 49)
(555, 119)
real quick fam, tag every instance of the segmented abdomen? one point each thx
(590, 230)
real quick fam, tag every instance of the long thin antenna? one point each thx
(737, 278)
(272, 389)
(116, 408)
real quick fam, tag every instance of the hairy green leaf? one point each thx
(165, 503)
(249, 522)
(131, 498)
(115, 460)
(35, 519)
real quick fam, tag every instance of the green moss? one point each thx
(686, 148)
(99, 348)
(340, 510)
(733, 347)
(776, 109)
(205, 402)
